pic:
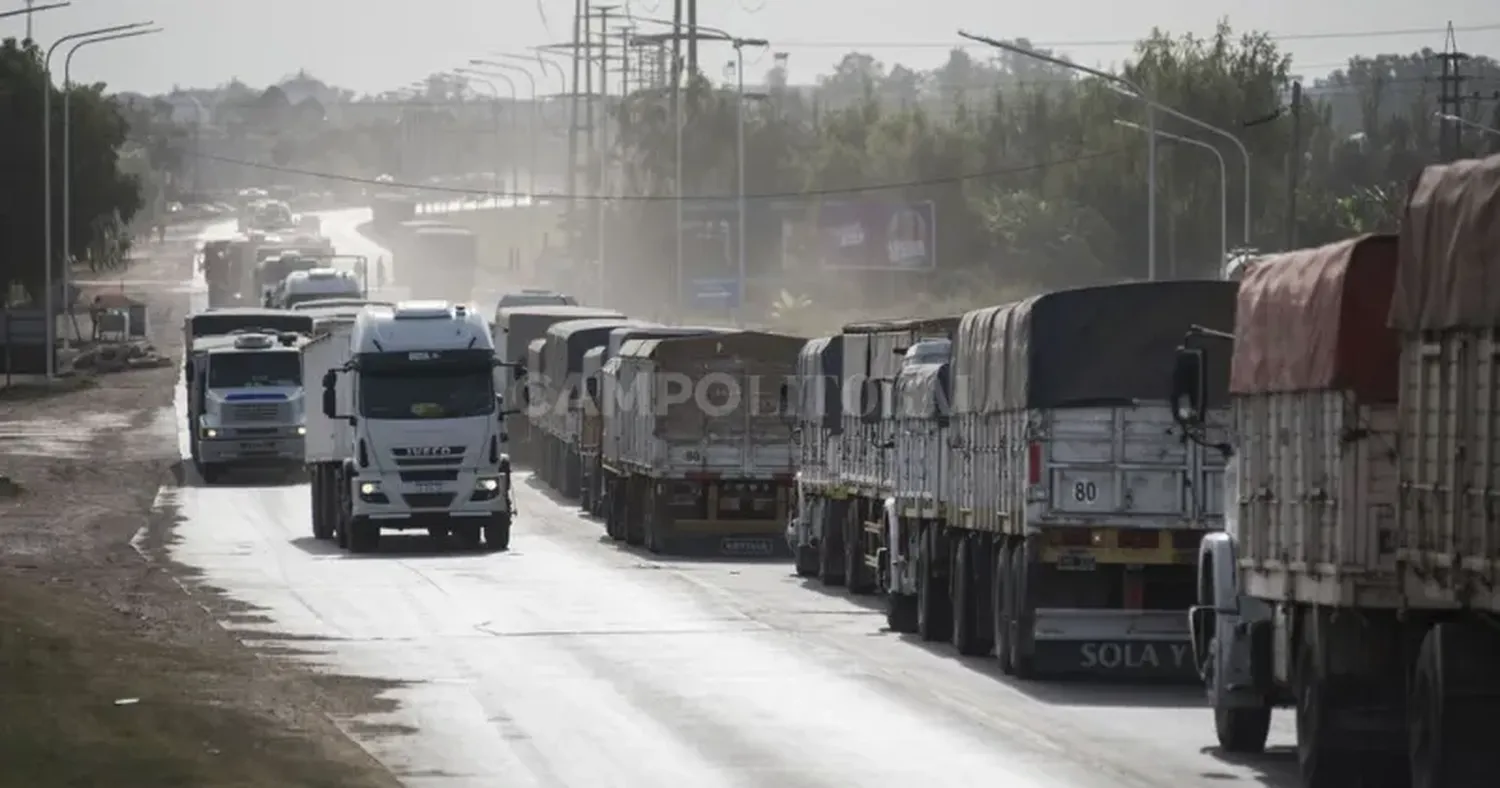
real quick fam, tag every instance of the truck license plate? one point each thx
(1075, 562)
(429, 487)
(746, 547)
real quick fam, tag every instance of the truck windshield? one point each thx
(433, 394)
(253, 370)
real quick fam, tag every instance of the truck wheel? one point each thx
(1322, 760)
(1447, 746)
(857, 576)
(497, 533)
(614, 504)
(364, 535)
(807, 560)
(901, 613)
(631, 517)
(963, 601)
(830, 550)
(934, 611)
(210, 472)
(1000, 607)
(1022, 624)
(1242, 731)
(322, 517)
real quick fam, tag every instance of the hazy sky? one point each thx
(375, 45)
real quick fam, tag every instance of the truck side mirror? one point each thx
(1189, 385)
(591, 387)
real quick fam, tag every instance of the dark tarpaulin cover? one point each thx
(820, 367)
(523, 324)
(1315, 319)
(1448, 274)
(569, 340)
(1106, 344)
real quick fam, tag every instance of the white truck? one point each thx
(706, 458)
(1355, 579)
(412, 388)
(245, 393)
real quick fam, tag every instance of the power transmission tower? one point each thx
(1451, 98)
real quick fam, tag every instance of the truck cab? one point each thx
(246, 402)
(428, 445)
(316, 284)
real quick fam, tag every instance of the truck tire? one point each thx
(1000, 607)
(934, 609)
(497, 533)
(968, 637)
(364, 535)
(857, 577)
(1242, 731)
(632, 518)
(830, 548)
(806, 560)
(614, 504)
(210, 472)
(1022, 616)
(322, 521)
(1323, 760)
(1451, 690)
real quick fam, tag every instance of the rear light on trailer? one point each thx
(1034, 464)
(1138, 539)
(1070, 537)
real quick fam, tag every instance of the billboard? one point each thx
(868, 235)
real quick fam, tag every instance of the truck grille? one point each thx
(428, 500)
(251, 412)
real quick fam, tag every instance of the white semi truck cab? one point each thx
(417, 396)
(247, 402)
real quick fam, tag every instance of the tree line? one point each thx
(1037, 176)
(104, 196)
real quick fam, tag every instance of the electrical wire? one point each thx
(463, 192)
(1326, 36)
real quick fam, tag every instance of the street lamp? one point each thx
(1463, 121)
(1223, 182)
(67, 143)
(739, 72)
(484, 79)
(51, 322)
(531, 124)
(1123, 85)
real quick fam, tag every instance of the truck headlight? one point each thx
(369, 488)
(301, 430)
(209, 432)
(488, 485)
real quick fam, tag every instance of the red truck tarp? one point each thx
(1449, 272)
(1315, 319)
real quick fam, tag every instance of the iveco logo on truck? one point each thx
(429, 451)
(1134, 656)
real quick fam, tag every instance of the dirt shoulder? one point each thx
(110, 673)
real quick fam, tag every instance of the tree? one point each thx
(102, 196)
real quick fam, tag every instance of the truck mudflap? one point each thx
(1125, 644)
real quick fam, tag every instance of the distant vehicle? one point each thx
(534, 297)
(335, 303)
(316, 284)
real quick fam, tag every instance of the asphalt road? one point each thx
(569, 661)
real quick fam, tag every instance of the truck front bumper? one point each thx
(276, 450)
(477, 495)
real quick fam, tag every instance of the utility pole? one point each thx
(601, 188)
(578, 24)
(1450, 98)
(692, 31)
(1293, 168)
(29, 11)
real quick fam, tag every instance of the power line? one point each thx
(463, 192)
(1326, 36)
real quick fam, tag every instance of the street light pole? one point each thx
(739, 71)
(1223, 183)
(47, 302)
(1134, 91)
(515, 167)
(531, 122)
(67, 143)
